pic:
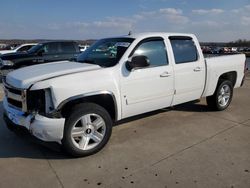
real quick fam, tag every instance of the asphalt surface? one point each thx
(184, 146)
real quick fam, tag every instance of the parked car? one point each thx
(44, 52)
(206, 50)
(76, 103)
(217, 50)
(20, 48)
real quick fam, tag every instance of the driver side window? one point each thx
(154, 50)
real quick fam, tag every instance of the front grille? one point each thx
(15, 103)
(15, 97)
(13, 90)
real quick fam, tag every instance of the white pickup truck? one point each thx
(76, 103)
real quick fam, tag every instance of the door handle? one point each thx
(165, 74)
(56, 56)
(197, 69)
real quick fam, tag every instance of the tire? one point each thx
(87, 130)
(222, 97)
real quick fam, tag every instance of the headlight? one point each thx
(7, 63)
(36, 101)
(40, 101)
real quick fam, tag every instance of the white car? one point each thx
(20, 48)
(83, 47)
(76, 103)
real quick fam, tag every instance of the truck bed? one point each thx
(216, 66)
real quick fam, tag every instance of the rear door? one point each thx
(189, 69)
(69, 50)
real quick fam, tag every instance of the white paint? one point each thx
(24, 77)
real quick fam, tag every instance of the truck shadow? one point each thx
(186, 107)
(192, 107)
(21, 144)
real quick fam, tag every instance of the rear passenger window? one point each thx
(68, 47)
(184, 50)
(154, 50)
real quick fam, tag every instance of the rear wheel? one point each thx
(87, 130)
(222, 97)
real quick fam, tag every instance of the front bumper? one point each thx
(43, 128)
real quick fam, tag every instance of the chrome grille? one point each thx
(16, 97)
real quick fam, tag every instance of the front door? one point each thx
(149, 88)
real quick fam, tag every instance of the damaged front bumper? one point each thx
(43, 128)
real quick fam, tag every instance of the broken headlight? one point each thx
(36, 101)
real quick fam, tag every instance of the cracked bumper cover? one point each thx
(43, 128)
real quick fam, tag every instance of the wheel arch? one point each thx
(230, 76)
(106, 99)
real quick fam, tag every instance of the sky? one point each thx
(210, 20)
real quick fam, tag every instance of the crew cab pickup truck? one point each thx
(76, 103)
(44, 52)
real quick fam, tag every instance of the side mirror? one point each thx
(138, 62)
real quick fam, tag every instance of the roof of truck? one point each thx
(151, 34)
(53, 41)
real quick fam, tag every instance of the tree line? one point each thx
(237, 43)
(240, 43)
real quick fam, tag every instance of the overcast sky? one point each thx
(210, 20)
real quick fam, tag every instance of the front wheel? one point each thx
(222, 97)
(87, 130)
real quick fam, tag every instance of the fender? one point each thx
(57, 112)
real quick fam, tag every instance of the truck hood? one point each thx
(23, 78)
(14, 55)
(6, 51)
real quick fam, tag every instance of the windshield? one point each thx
(35, 48)
(105, 52)
(17, 47)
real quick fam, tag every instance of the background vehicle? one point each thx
(20, 48)
(83, 47)
(217, 50)
(76, 103)
(41, 53)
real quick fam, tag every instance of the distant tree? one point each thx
(239, 43)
